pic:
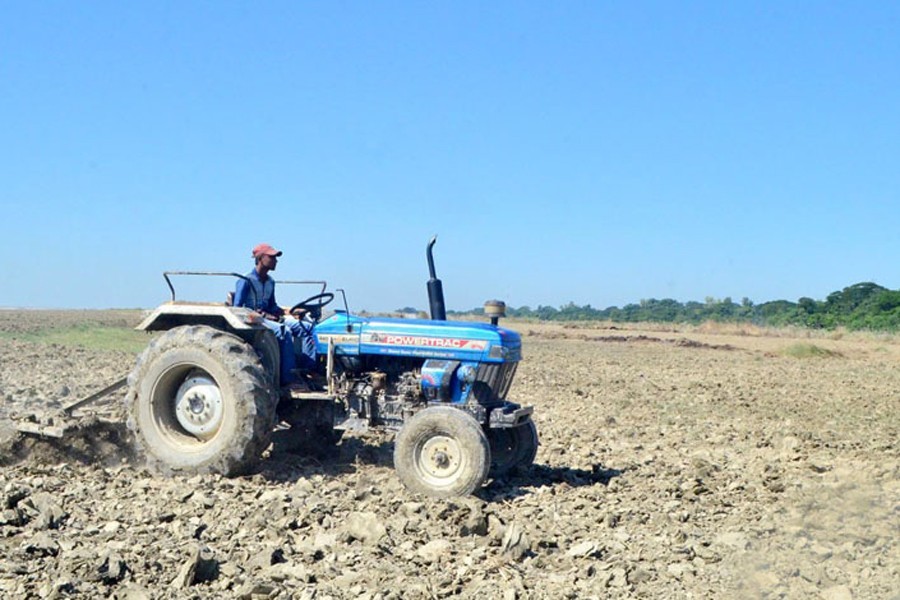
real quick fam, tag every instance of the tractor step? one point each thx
(301, 394)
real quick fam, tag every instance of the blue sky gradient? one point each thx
(592, 152)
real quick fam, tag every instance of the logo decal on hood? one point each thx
(390, 339)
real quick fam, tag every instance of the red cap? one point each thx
(265, 249)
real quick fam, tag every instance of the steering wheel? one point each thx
(314, 304)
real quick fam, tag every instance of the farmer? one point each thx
(285, 327)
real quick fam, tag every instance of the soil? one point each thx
(674, 463)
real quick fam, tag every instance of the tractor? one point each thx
(205, 395)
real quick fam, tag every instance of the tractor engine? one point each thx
(388, 368)
(380, 391)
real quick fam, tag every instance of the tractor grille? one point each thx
(495, 380)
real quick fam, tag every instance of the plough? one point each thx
(59, 422)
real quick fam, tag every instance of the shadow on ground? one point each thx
(527, 480)
(109, 444)
(354, 453)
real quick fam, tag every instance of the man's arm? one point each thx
(272, 307)
(240, 293)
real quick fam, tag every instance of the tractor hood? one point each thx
(455, 340)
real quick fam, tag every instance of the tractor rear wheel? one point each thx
(442, 452)
(512, 448)
(200, 401)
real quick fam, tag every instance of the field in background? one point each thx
(113, 330)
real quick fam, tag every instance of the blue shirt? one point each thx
(263, 300)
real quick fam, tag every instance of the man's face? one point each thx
(269, 261)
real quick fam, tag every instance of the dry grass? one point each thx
(772, 341)
(807, 350)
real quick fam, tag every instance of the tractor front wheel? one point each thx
(200, 401)
(512, 448)
(442, 452)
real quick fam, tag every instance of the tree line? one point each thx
(859, 306)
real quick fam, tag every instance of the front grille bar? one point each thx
(497, 377)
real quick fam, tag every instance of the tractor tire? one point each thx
(442, 452)
(200, 401)
(269, 354)
(512, 448)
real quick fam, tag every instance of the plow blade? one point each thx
(41, 430)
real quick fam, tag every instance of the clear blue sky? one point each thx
(595, 152)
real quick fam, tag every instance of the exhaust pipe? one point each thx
(435, 288)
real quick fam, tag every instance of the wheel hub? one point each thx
(440, 459)
(198, 406)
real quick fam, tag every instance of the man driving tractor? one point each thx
(285, 326)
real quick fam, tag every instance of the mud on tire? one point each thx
(200, 401)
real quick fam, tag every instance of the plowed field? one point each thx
(674, 463)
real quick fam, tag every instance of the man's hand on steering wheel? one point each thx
(313, 305)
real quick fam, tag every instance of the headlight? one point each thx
(500, 352)
(467, 373)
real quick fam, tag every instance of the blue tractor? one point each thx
(205, 396)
